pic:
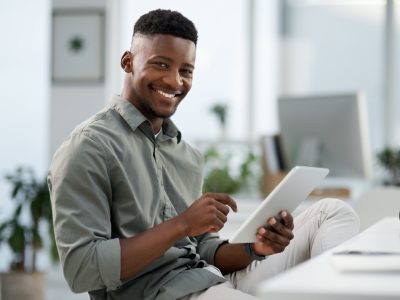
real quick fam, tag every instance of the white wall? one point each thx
(73, 103)
(267, 59)
(70, 106)
(24, 81)
(396, 129)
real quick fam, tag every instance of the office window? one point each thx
(396, 80)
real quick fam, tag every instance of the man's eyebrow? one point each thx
(162, 57)
(171, 60)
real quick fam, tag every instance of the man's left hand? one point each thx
(275, 236)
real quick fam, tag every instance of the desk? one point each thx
(318, 279)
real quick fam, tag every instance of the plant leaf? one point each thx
(16, 240)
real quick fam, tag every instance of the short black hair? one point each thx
(164, 21)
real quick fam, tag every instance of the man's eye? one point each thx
(163, 65)
(187, 73)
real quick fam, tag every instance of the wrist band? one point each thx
(248, 248)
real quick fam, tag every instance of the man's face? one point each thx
(159, 74)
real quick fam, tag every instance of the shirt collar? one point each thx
(135, 118)
(170, 130)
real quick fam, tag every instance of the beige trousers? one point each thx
(324, 225)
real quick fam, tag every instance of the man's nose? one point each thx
(173, 79)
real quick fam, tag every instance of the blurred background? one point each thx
(59, 64)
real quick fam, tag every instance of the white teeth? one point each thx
(167, 95)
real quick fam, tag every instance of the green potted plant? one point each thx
(220, 110)
(23, 233)
(219, 176)
(389, 159)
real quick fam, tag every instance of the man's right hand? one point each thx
(207, 214)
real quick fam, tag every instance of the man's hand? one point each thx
(275, 236)
(207, 214)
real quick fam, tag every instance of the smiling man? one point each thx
(160, 69)
(130, 220)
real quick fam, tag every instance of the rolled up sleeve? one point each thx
(207, 246)
(81, 196)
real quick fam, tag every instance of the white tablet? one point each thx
(287, 195)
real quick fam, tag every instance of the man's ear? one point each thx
(126, 61)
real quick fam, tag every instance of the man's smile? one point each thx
(169, 95)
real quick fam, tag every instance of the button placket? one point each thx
(163, 197)
(159, 168)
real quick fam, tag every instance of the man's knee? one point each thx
(340, 210)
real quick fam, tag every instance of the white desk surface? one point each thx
(319, 279)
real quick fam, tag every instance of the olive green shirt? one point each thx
(111, 179)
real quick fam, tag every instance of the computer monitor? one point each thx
(328, 131)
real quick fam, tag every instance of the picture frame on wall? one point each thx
(78, 46)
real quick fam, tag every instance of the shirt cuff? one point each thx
(208, 250)
(109, 260)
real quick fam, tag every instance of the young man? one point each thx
(124, 187)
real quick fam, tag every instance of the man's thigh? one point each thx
(220, 291)
(321, 227)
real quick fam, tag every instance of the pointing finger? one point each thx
(224, 199)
